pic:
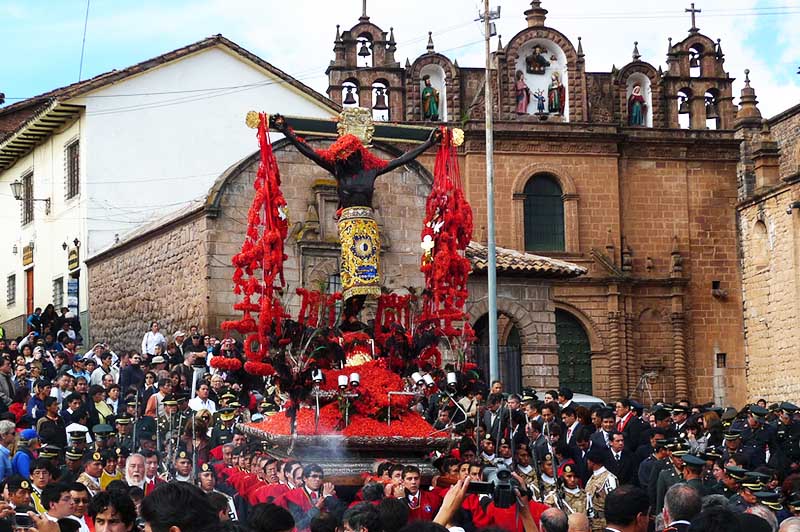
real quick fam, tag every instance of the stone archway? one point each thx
(509, 350)
(527, 304)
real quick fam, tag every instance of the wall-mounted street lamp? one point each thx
(18, 191)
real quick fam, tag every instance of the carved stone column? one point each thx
(630, 355)
(614, 366)
(679, 355)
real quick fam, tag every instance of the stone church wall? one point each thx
(162, 277)
(770, 289)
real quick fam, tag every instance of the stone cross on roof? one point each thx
(693, 11)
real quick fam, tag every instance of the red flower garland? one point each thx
(447, 230)
(345, 146)
(226, 364)
(262, 250)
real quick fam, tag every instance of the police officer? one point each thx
(72, 467)
(123, 424)
(671, 475)
(745, 497)
(734, 448)
(787, 433)
(693, 473)
(222, 432)
(168, 424)
(758, 436)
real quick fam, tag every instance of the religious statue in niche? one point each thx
(540, 101)
(430, 100)
(555, 95)
(637, 107)
(523, 94)
(536, 63)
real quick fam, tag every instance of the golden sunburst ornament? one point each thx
(252, 119)
(458, 136)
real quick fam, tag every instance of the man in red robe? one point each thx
(307, 501)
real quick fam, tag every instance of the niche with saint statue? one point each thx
(433, 93)
(540, 81)
(639, 98)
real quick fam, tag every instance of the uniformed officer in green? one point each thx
(124, 431)
(73, 465)
(693, 473)
(103, 437)
(169, 424)
(222, 432)
(673, 474)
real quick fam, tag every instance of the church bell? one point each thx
(694, 61)
(364, 51)
(380, 99)
(711, 110)
(684, 107)
(349, 99)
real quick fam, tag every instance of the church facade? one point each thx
(631, 174)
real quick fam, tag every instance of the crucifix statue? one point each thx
(693, 11)
(355, 169)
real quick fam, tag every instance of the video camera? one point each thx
(499, 484)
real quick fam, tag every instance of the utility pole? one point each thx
(491, 270)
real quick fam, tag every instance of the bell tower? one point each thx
(364, 72)
(698, 92)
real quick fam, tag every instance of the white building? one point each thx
(110, 153)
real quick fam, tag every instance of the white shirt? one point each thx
(198, 404)
(571, 429)
(150, 341)
(99, 373)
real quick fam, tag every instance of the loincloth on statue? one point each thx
(360, 252)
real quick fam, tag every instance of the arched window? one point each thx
(380, 101)
(350, 94)
(685, 108)
(712, 109)
(696, 60)
(760, 246)
(544, 214)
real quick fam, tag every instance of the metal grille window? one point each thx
(544, 214)
(334, 285)
(58, 292)
(11, 290)
(72, 164)
(27, 198)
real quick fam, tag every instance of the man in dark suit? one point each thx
(570, 419)
(622, 463)
(495, 419)
(682, 503)
(602, 437)
(629, 425)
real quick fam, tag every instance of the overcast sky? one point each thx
(41, 40)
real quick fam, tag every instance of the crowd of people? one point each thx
(97, 440)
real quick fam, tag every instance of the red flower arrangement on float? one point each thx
(259, 274)
(226, 364)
